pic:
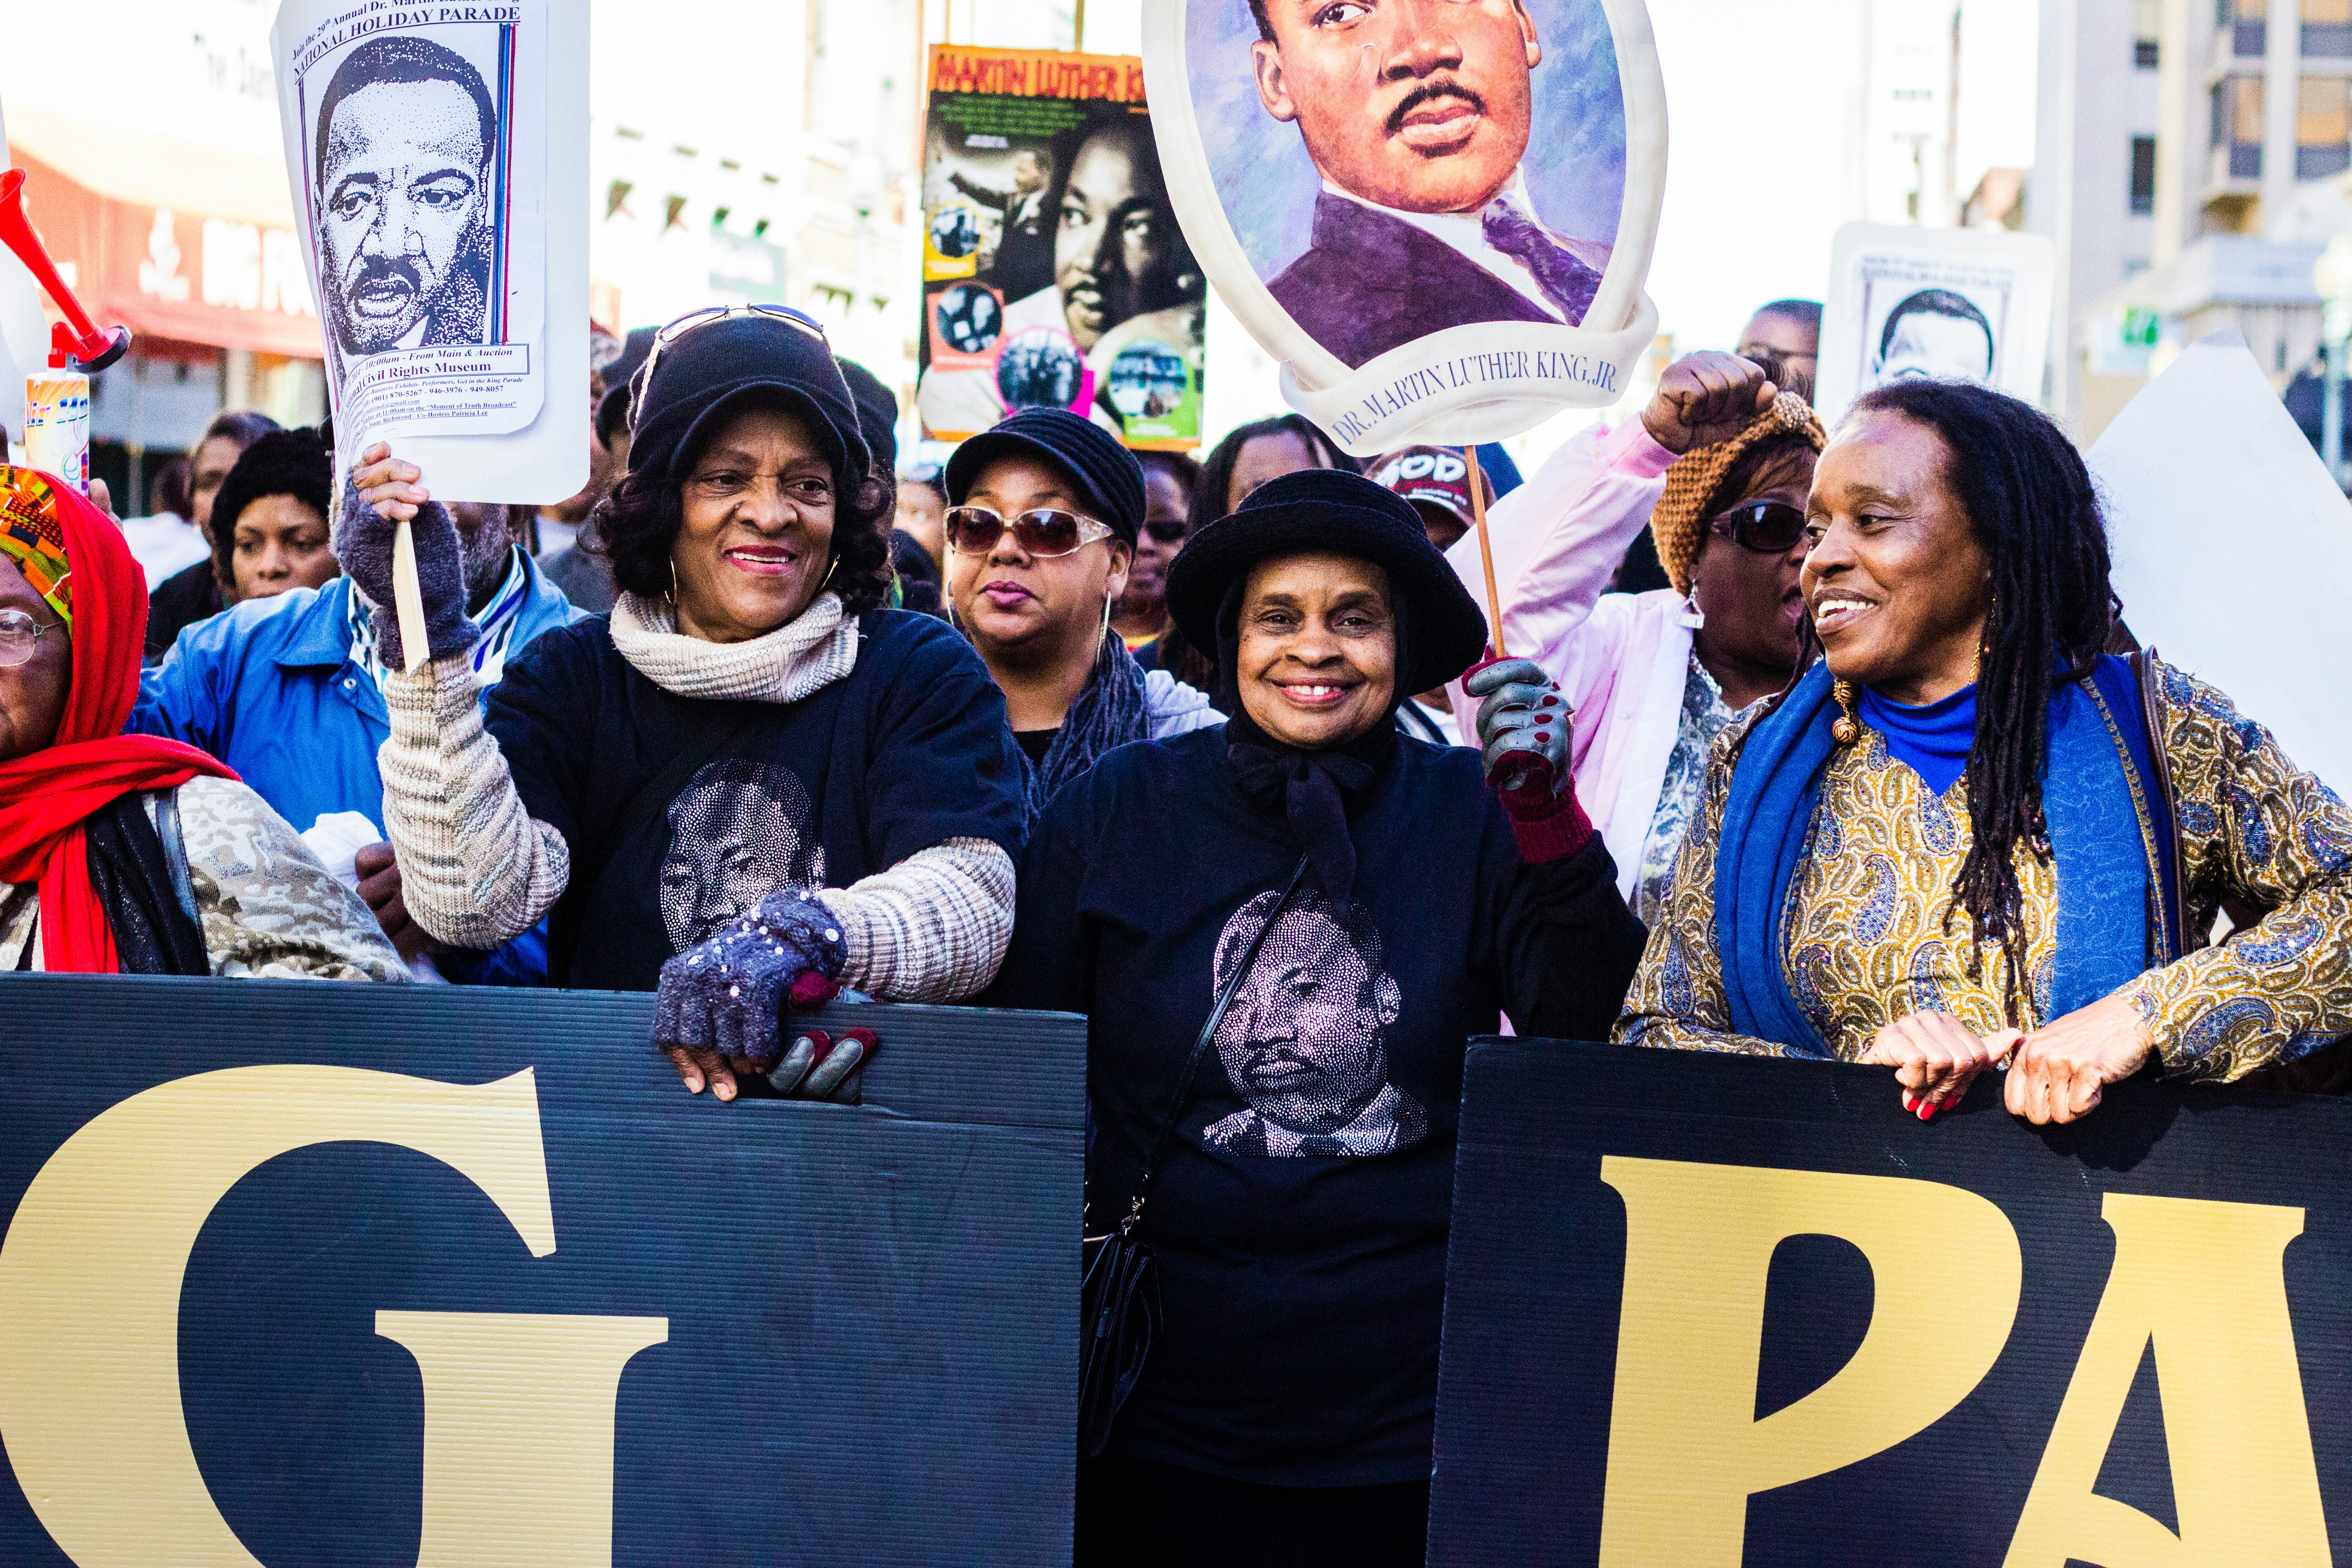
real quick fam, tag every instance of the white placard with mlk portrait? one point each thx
(1439, 216)
(1952, 304)
(423, 144)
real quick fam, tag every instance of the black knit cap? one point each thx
(877, 411)
(297, 463)
(1109, 479)
(709, 370)
(1330, 512)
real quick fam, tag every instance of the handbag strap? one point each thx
(1225, 993)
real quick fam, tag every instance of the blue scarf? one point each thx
(2114, 912)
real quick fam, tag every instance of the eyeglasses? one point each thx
(1767, 527)
(1043, 533)
(20, 636)
(1165, 532)
(709, 313)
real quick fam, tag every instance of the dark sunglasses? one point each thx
(1767, 527)
(1167, 532)
(1042, 533)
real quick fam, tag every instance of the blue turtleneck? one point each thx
(1934, 740)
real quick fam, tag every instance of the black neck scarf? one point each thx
(1309, 788)
(132, 876)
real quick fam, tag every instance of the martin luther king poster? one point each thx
(1054, 272)
(436, 157)
(1439, 216)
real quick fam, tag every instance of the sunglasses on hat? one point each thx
(1767, 527)
(1044, 532)
(669, 334)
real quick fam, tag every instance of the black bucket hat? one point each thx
(713, 367)
(1330, 512)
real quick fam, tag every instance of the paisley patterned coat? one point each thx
(1865, 938)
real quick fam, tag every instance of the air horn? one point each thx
(82, 343)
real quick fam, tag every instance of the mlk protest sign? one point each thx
(1947, 304)
(1054, 273)
(438, 160)
(1439, 218)
(1717, 1311)
(307, 1273)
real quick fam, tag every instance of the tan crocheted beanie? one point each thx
(1678, 523)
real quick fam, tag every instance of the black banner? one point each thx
(1707, 1311)
(319, 1274)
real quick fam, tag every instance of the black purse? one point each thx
(1119, 1290)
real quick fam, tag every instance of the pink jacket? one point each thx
(1622, 660)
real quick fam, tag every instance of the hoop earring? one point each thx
(673, 581)
(1690, 614)
(1845, 730)
(1107, 597)
(829, 571)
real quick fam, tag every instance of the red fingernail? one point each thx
(817, 1038)
(863, 1036)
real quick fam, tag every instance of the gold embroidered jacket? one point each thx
(1866, 939)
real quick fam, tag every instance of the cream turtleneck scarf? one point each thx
(807, 653)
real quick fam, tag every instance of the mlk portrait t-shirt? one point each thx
(1299, 1221)
(908, 750)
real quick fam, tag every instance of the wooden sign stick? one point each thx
(1486, 548)
(408, 599)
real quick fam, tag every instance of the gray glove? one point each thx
(817, 1067)
(363, 545)
(1523, 726)
(728, 994)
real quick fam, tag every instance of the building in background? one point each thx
(2227, 196)
(776, 161)
(148, 132)
(1907, 152)
(2093, 190)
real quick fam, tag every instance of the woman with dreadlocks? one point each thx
(1969, 836)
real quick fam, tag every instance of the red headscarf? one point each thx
(46, 797)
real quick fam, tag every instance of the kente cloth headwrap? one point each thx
(2115, 872)
(31, 536)
(47, 797)
(1678, 523)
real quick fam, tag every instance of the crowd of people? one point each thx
(1809, 741)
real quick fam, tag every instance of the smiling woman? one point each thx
(1299, 1223)
(1970, 837)
(753, 784)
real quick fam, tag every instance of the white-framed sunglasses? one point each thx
(799, 319)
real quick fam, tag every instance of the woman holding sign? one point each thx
(1968, 837)
(751, 784)
(1280, 997)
